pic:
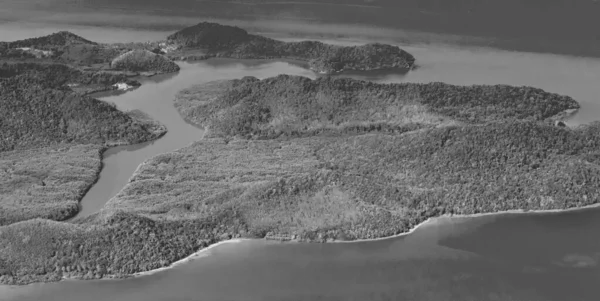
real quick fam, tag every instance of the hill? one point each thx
(298, 106)
(51, 42)
(215, 40)
(52, 139)
(140, 60)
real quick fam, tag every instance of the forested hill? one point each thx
(35, 115)
(298, 106)
(51, 138)
(230, 41)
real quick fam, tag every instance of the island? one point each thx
(331, 159)
(205, 40)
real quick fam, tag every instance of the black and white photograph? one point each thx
(301, 150)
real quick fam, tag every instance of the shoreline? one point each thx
(430, 220)
(199, 253)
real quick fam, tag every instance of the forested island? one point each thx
(319, 160)
(206, 39)
(75, 51)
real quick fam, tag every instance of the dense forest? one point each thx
(54, 75)
(38, 116)
(320, 160)
(212, 39)
(70, 49)
(293, 106)
(140, 60)
(52, 137)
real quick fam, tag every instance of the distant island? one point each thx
(205, 40)
(331, 159)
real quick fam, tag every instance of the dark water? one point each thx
(504, 257)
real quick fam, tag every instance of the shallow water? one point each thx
(503, 257)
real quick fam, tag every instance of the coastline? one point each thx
(191, 257)
(199, 253)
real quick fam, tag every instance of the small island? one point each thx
(206, 40)
(332, 159)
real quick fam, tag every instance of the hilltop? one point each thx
(140, 60)
(205, 40)
(70, 49)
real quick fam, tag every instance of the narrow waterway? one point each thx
(155, 97)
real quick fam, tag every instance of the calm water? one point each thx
(503, 257)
